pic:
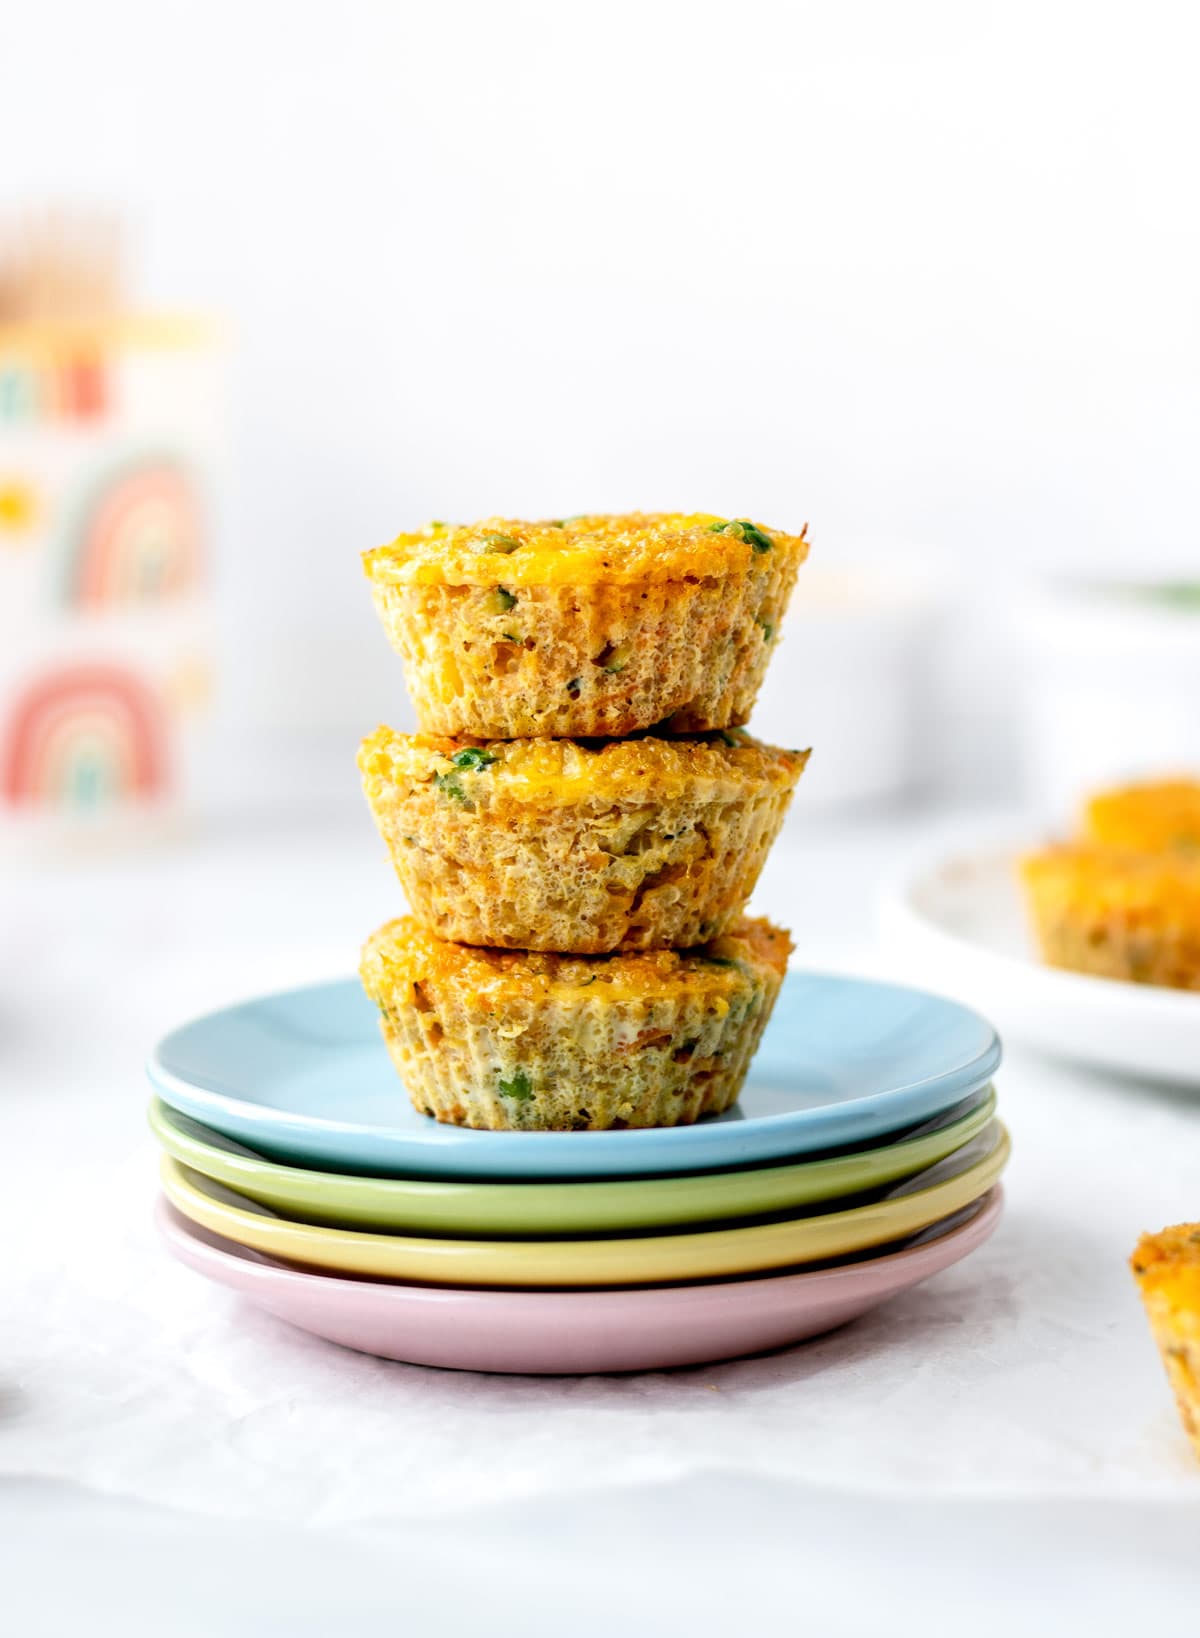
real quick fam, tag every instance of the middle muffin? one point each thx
(578, 846)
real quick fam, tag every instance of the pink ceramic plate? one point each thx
(636, 1328)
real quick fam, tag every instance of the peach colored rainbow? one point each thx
(139, 539)
(83, 735)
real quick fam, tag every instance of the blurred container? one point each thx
(849, 680)
(1112, 688)
(109, 427)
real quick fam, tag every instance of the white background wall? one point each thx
(922, 274)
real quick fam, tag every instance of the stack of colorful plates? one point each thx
(862, 1157)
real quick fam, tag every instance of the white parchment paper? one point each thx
(1027, 1373)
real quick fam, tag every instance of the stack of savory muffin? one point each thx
(1124, 901)
(580, 821)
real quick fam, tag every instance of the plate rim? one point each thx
(900, 906)
(863, 1116)
(262, 1268)
(614, 1190)
(494, 1254)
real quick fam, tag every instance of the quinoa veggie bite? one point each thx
(540, 1042)
(1116, 913)
(585, 627)
(1167, 1269)
(580, 847)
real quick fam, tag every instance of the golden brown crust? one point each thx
(612, 548)
(403, 953)
(580, 847)
(1158, 816)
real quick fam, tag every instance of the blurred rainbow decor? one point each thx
(138, 537)
(84, 735)
(109, 442)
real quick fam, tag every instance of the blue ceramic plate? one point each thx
(303, 1076)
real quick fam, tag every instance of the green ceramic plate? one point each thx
(419, 1204)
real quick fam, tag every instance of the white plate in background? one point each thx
(958, 926)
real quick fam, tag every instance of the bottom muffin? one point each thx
(527, 1041)
(1117, 914)
(1167, 1267)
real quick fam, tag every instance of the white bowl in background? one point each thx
(848, 679)
(1111, 689)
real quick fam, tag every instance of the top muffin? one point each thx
(587, 626)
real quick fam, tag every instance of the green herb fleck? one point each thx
(519, 1086)
(473, 756)
(495, 542)
(500, 600)
(768, 630)
(450, 786)
(731, 739)
(718, 961)
(744, 530)
(511, 637)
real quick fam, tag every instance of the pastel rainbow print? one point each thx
(137, 538)
(84, 737)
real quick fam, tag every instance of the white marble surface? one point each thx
(1013, 1405)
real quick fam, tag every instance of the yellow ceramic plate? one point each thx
(614, 1260)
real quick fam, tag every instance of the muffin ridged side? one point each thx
(593, 627)
(1119, 914)
(580, 848)
(541, 1042)
(1167, 1269)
